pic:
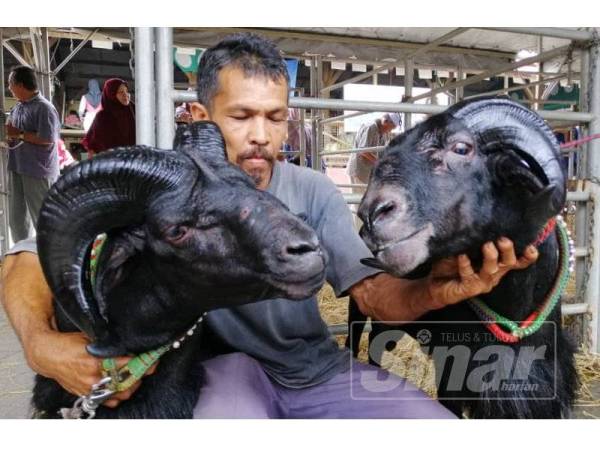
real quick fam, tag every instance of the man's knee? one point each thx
(235, 387)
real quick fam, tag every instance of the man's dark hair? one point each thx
(26, 76)
(253, 54)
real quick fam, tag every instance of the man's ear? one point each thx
(199, 112)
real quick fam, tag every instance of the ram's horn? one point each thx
(502, 123)
(110, 191)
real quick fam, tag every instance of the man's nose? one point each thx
(259, 135)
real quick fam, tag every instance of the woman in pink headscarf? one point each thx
(114, 125)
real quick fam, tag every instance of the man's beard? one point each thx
(254, 153)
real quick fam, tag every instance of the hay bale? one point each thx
(407, 360)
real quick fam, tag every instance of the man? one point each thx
(360, 165)
(284, 362)
(33, 159)
(375, 134)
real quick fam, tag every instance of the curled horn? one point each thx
(502, 123)
(202, 139)
(107, 192)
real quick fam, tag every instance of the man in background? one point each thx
(374, 134)
(34, 130)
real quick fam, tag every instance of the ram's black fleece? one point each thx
(187, 232)
(483, 169)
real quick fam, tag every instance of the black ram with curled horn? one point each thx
(483, 169)
(186, 232)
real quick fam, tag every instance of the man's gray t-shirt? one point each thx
(39, 116)
(288, 337)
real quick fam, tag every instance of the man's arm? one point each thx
(387, 298)
(27, 301)
(369, 138)
(28, 136)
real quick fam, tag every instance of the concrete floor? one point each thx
(16, 378)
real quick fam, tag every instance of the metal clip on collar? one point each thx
(87, 404)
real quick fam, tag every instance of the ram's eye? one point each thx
(461, 148)
(176, 233)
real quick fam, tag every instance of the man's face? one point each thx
(387, 125)
(252, 114)
(17, 89)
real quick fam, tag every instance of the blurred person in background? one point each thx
(114, 125)
(90, 103)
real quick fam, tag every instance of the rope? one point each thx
(494, 321)
(577, 142)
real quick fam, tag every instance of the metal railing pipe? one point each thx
(355, 150)
(144, 86)
(165, 107)
(578, 196)
(570, 309)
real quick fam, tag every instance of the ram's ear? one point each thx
(117, 259)
(516, 171)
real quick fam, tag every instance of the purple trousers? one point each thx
(236, 387)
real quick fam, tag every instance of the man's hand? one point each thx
(369, 156)
(454, 279)
(384, 297)
(12, 131)
(63, 357)
(27, 300)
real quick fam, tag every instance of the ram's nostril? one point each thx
(382, 209)
(299, 248)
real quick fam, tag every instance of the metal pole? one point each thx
(64, 62)
(427, 47)
(409, 72)
(460, 91)
(45, 64)
(39, 43)
(538, 90)
(581, 212)
(13, 51)
(518, 88)
(477, 78)
(562, 33)
(593, 288)
(582, 156)
(2, 74)
(302, 138)
(313, 114)
(4, 243)
(144, 86)
(319, 116)
(376, 149)
(341, 39)
(165, 108)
